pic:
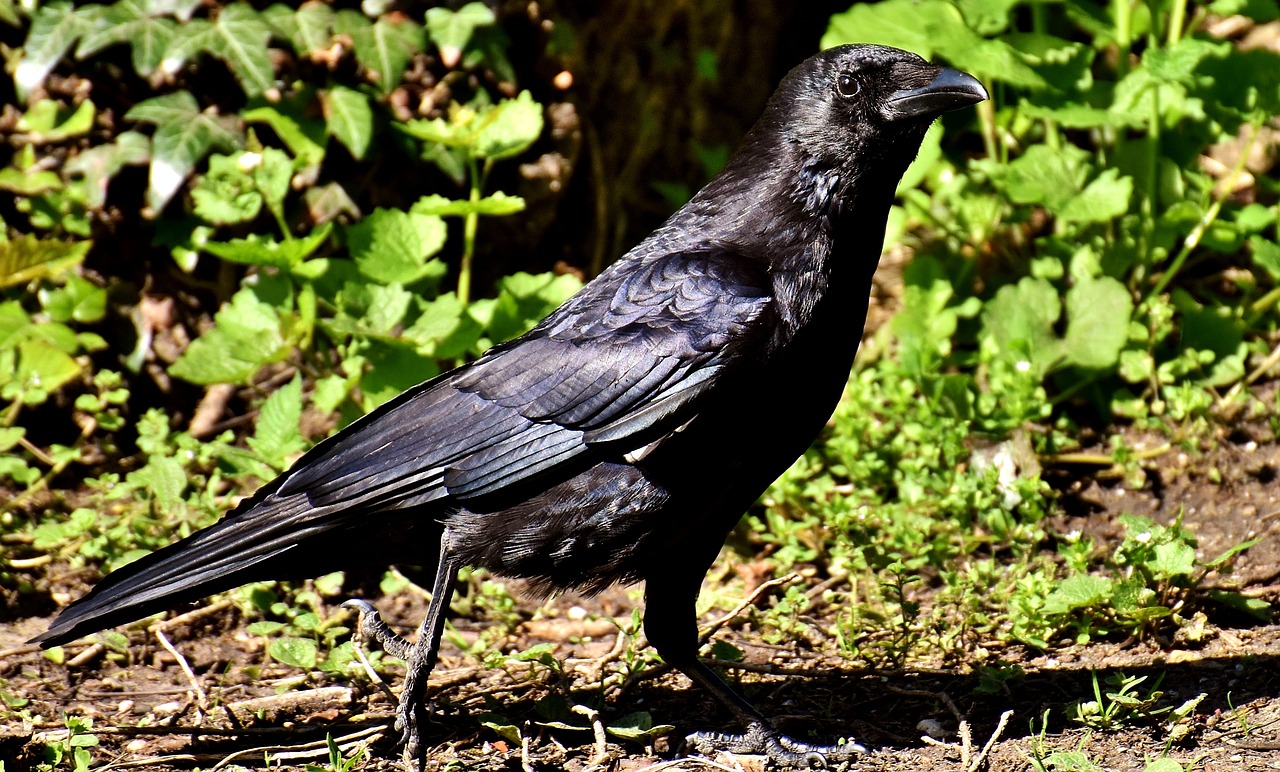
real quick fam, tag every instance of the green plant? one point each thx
(75, 750)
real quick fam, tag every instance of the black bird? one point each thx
(624, 436)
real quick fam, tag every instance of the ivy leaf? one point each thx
(451, 30)
(246, 335)
(237, 36)
(393, 246)
(384, 47)
(309, 29)
(498, 204)
(133, 23)
(348, 118)
(54, 30)
(277, 436)
(184, 135)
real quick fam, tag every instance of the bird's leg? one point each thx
(420, 656)
(671, 626)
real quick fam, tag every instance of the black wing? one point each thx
(629, 354)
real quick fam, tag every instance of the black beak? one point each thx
(949, 90)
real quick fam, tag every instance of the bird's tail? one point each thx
(273, 537)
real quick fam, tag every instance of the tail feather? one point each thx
(270, 536)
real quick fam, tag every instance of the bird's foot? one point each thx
(762, 739)
(411, 712)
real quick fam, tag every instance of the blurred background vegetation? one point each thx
(230, 228)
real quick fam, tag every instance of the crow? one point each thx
(622, 438)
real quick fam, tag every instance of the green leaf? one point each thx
(497, 204)
(246, 336)
(226, 194)
(9, 436)
(54, 30)
(238, 36)
(295, 652)
(183, 136)
(309, 29)
(80, 300)
(1163, 765)
(257, 249)
(451, 30)
(277, 436)
(444, 330)
(27, 257)
(1098, 313)
(383, 48)
(43, 368)
(1077, 592)
(1103, 200)
(1265, 255)
(134, 23)
(99, 164)
(30, 182)
(393, 246)
(1173, 559)
(348, 118)
(295, 136)
(265, 627)
(509, 128)
(46, 121)
(1020, 318)
(637, 727)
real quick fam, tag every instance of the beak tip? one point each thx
(950, 90)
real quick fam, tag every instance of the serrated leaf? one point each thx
(246, 335)
(135, 24)
(384, 47)
(54, 30)
(1104, 199)
(1021, 318)
(348, 118)
(1173, 559)
(497, 204)
(295, 652)
(257, 249)
(28, 257)
(393, 246)
(1098, 313)
(508, 128)
(1076, 592)
(276, 436)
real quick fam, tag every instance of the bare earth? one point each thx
(252, 706)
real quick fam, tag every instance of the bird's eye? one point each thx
(848, 85)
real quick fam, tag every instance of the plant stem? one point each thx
(469, 225)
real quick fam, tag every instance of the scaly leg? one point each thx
(420, 656)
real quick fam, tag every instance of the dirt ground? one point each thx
(253, 713)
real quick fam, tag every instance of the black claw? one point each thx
(762, 739)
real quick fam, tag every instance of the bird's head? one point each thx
(855, 111)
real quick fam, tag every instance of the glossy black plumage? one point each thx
(624, 436)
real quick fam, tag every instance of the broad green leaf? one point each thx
(80, 300)
(393, 246)
(9, 436)
(246, 335)
(276, 436)
(1098, 312)
(1173, 559)
(54, 30)
(296, 652)
(637, 727)
(1076, 592)
(1021, 317)
(43, 368)
(444, 330)
(1165, 764)
(524, 299)
(30, 182)
(226, 194)
(309, 29)
(295, 136)
(508, 128)
(133, 23)
(46, 122)
(1265, 255)
(384, 47)
(28, 257)
(452, 30)
(497, 204)
(348, 118)
(183, 136)
(1047, 175)
(165, 479)
(99, 164)
(238, 35)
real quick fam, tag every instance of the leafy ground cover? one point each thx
(1049, 490)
